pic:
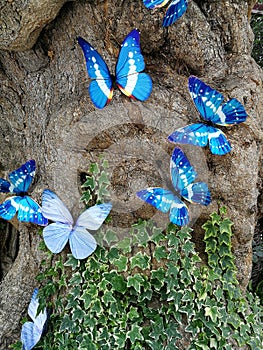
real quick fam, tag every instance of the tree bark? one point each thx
(47, 115)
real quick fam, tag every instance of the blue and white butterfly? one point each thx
(183, 176)
(128, 76)
(174, 11)
(32, 331)
(209, 104)
(57, 234)
(27, 209)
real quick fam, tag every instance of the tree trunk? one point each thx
(47, 115)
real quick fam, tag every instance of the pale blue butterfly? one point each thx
(57, 234)
(32, 331)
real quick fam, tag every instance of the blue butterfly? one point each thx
(27, 209)
(182, 175)
(209, 104)
(174, 11)
(128, 76)
(32, 331)
(57, 234)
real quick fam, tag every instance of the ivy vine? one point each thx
(149, 291)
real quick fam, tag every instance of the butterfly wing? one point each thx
(30, 211)
(206, 99)
(208, 102)
(193, 134)
(56, 236)
(22, 177)
(32, 331)
(176, 9)
(197, 193)
(179, 213)
(182, 173)
(152, 4)
(93, 217)
(129, 65)
(201, 135)
(9, 208)
(41, 318)
(100, 88)
(54, 209)
(30, 335)
(231, 112)
(164, 200)
(27, 210)
(82, 243)
(218, 142)
(158, 197)
(4, 186)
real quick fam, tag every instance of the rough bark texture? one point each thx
(46, 114)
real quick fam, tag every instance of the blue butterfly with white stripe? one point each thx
(174, 11)
(27, 209)
(62, 230)
(209, 104)
(183, 176)
(128, 76)
(32, 331)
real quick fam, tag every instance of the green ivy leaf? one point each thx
(225, 226)
(188, 247)
(110, 237)
(121, 263)
(67, 324)
(125, 245)
(210, 230)
(160, 253)
(140, 260)
(136, 281)
(72, 262)
(133, 313)
(157, 235)
(94, 168)
(157, 278)
(172, 331)
(216, 219)
(212, 312)
(117, 281)
(108, 297)
(103, 179)
(76, 279)
(78, 314)
(135, 333)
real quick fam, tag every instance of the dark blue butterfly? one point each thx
(174, 11)
(182, 175)
(27, 209)
(128, 76)
(32, 331)
(209, 104)
(57, 234)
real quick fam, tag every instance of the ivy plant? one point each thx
(150, 290)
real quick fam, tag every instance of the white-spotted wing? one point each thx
(26, 208)
(209, 104)
(128, 73)
(174, 11)
(182, 176)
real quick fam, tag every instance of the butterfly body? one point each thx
(26, 208)
(57, 234)
(128, 76)
(174, 11)
(209, 104)
(182, 175)
(32, 331)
